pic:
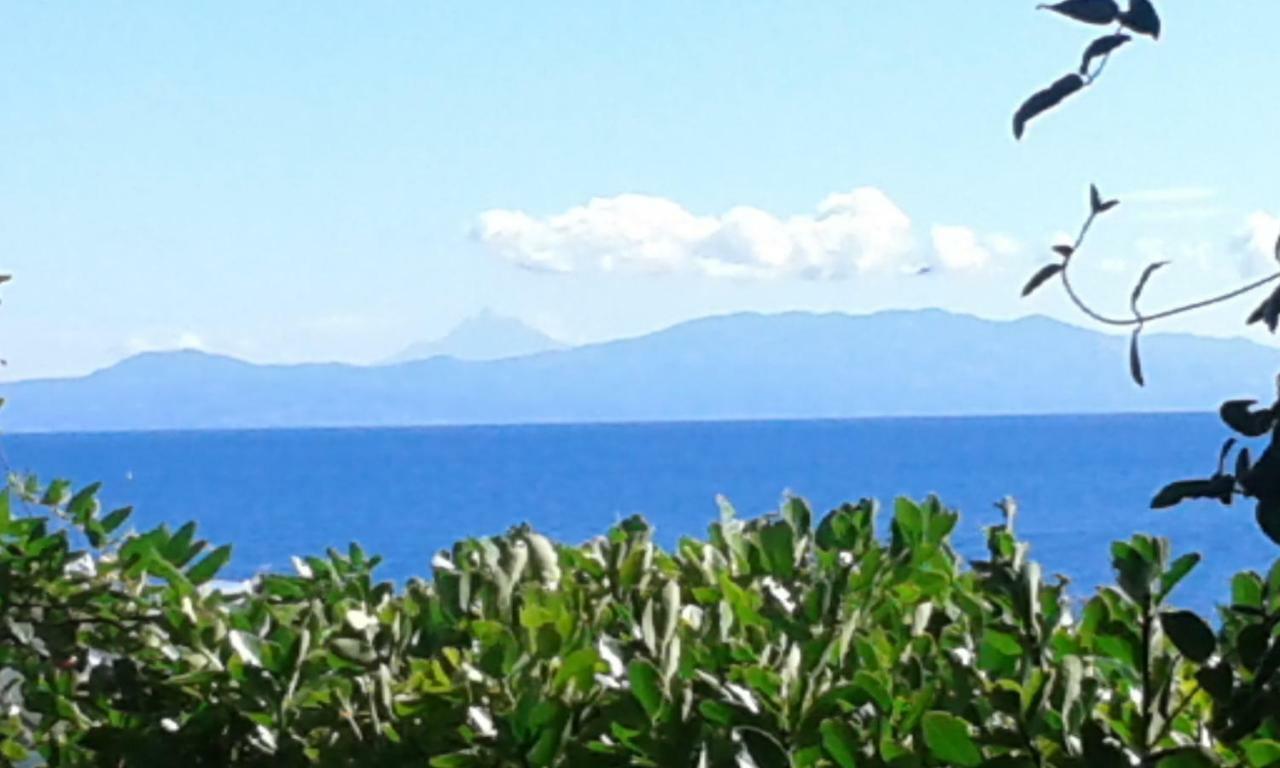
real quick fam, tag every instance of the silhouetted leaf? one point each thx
(1238, 415)
(1043, 100)
(1088, 11)
(1271, 311)
(1263, 480)
(1185, 757)
(1224, 487)
(1242, 462)
(1222, 455)
(1142, 18)
(1181, 490)
(1064, 251)
(1135, 359)
(1038, 279)
(1142, 283)
(1268, 310)
(1251, 644)
(1190, 634)
(1268, 516)
(1101, 47)
(1098, 752)
(1097, 204)
(1216, 680)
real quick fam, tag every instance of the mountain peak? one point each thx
(481, 337)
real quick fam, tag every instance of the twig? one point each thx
(1140, 318)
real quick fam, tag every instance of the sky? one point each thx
(301, 181)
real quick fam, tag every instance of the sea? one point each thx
(1080, 482)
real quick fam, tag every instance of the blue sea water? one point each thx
(1081, 482)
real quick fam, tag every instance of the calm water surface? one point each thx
(1080, 482)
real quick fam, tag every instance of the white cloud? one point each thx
(1259, 244)
(165, 342)
(1004, 245)
(848, 233)
(958, 248)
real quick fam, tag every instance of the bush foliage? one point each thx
(779, 641)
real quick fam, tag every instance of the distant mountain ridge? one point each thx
(744, 366)
(486, 336)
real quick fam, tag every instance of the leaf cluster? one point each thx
(777, 641)
(1139, 17)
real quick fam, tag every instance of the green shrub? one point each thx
(775, 642)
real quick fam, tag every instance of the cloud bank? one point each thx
(1259, 245)
(850, 233)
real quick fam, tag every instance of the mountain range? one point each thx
(742, 366)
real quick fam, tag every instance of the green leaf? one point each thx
(718, 711)
(163, 569)
(248, 647)
(114, 520)
(1190, 634)
(909, 518)
(1002, 642)
(1186, 757)
(796, 512)
(353, 650)
(948, 738)
(578, 666)
(778, 542)
(11, 749)
(1262, 753)
(841, 742)
(57, 493)
(646, 685)
(1177, 572)
(209, 566)
(82, 504)
(465, 759)
(1246, 589)
(1134, 569)
(875, 691)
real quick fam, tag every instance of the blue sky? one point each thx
(324, 181)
